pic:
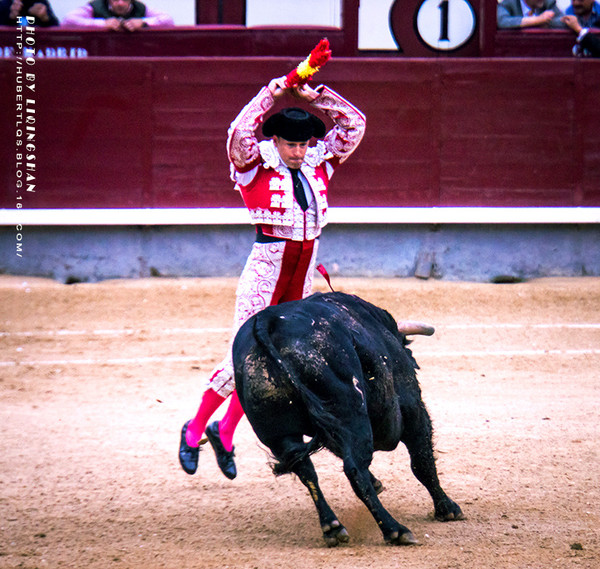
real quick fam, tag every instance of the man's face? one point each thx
(119, 7)
(292, 153)
(582, 7)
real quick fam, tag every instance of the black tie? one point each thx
(299, 190)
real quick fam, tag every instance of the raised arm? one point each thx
(242, 145)
(349, 123)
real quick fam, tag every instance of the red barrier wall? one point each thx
(127, 132)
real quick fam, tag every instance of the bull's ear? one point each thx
(410, 328)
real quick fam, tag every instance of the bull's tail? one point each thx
(325, 423)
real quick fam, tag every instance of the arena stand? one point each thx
(468, 154)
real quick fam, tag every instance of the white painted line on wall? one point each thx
(354, 215)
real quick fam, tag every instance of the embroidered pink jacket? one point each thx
(265, 181)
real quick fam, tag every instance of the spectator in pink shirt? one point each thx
(117, 15)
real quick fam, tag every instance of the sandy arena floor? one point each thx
(97, 379)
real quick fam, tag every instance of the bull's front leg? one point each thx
(423, 467)
(418, 440)
(333, 531)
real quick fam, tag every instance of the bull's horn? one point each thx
(409, 328)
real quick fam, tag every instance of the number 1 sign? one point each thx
(445, 25)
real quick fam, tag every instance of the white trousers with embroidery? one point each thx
(255, 292)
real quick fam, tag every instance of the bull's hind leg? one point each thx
(292, 457)
(333, 531)
(417, 437)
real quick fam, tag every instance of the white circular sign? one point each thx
(445, 24)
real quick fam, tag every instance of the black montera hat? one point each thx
(294, 124)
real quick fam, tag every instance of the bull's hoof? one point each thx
(334, 534)
(449, 512)
(406, 538)
(451, 517)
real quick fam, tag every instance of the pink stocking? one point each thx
(229, 422)
(211, 401)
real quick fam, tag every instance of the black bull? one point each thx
(333, 371)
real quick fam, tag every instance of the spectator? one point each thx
(40, 10)
(587, 44)
(587, 12)
(529, 13)
(117, 15)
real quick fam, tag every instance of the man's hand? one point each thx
(113, 24)
(133, 24)
(305, 92)
(573, 23)
(545, 17)
(40, 11)
(277, 87)
(538, 20)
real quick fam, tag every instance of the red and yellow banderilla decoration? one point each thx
(304, 72)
